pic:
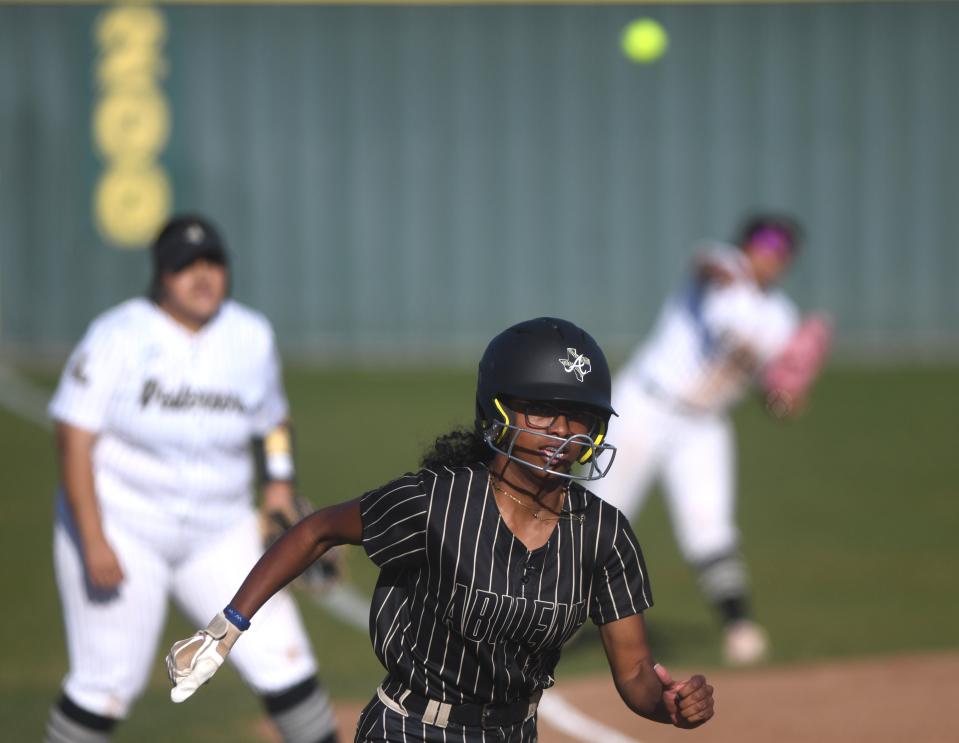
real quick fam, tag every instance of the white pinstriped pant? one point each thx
(112, 640)
(693, 454)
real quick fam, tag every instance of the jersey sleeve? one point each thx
(620, 584)
(89, 379)
(395, 522)
(730, 311)
(743, 316)
(274, 407)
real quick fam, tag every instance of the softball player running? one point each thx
(712, 340)
(490, 558)
(155, 414)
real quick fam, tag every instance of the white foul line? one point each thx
(567, 719)
(21, 397)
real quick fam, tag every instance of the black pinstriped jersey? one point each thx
(463, 611)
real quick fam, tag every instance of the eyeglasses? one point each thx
(542, 415)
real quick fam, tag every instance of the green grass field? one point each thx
(849, 518)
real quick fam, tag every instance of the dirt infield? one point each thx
(891, 700)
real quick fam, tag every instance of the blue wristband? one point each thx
(236, 619)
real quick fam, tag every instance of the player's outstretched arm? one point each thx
(193, 661)
(645, 686)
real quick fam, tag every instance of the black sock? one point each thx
(733, 609)
(303, 713)
(71, 723)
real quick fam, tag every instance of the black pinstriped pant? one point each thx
(379, 724)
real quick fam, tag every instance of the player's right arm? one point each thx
(79, 411)
(75, 448)
(193, 661)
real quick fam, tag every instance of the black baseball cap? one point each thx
(184, 240)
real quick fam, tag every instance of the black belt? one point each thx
(439, 714)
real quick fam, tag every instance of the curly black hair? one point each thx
(457, 448)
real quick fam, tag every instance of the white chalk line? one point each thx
(20, 396)
(23, 398)
(567, 719)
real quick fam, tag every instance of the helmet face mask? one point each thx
(593, 461)
(546, 362)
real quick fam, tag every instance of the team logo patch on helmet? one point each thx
(194, 234)
(576, 363)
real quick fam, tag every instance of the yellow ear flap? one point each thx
(596, 442)
(502, 411)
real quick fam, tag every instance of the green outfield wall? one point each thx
(400, 182)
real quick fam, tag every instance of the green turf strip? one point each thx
(848, 515)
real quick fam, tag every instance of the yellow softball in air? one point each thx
(644, 40)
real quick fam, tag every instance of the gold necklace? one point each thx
(536, 514)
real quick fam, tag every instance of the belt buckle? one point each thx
(485, 716)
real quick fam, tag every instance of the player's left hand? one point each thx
(690, 702)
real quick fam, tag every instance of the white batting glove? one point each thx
(193, 661)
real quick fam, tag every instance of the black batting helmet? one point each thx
(186, 238)
(545, 360)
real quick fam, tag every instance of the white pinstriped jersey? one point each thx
(690, 357)
(174, 411)
(463, 611)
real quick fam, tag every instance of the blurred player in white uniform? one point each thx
(155, 414)
(711, 341)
